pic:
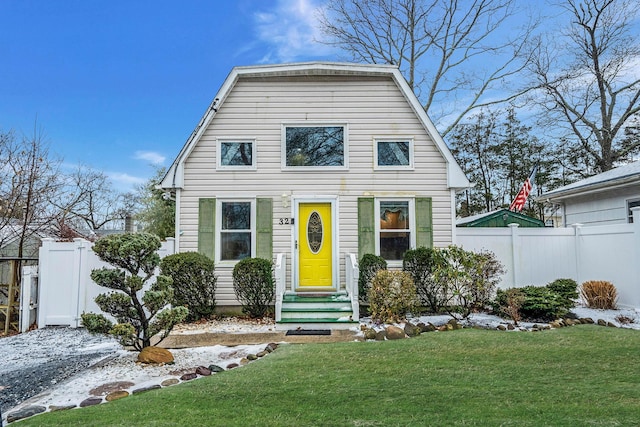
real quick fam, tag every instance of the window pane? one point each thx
(236, 154)
(631, 204)
(235, 245)
(236, 216)
(394, 215)
(315, 146)
(393, 153)
(393, 245)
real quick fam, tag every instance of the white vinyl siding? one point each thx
(257, 108)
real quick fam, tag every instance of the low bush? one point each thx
(96, 323)
(541, 303)
(391, 296)
(370, 264)
(254, 285)
(420, 264)
(567, 288)
(514, 298)
(599, 294)
(194, 282)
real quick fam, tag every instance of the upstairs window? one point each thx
(394, 154)
(631, 204)
(314, 147)
(234, 154)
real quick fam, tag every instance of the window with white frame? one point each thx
(236, 225)
(631, 204)
(393, 153)
(323, 146)
(394, 228)
(236, 154)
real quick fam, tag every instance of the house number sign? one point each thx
(285, 221)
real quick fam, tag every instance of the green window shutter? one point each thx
(264, 228)
(207, 227)
(424, 222)
(366, 226)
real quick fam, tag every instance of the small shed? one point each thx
(499, 218)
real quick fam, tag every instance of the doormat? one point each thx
(308, 332)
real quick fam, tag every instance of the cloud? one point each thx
(125, 182)
(291, 31)
(150, 156)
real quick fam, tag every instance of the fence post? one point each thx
(577, 228)
(635, 211)
(515, 246)
(43, 285)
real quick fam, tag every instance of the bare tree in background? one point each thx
(29, 179)
(591, 82)
(444, 48)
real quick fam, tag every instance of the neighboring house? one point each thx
(313, 165)
(606, 198)
(499, 218)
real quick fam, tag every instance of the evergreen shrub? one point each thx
(254, 285)
(370, 264)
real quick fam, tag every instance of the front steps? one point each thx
(316, 311)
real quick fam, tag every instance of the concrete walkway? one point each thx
(230, 339)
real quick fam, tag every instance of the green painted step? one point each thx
(332, 298)
(316, 310)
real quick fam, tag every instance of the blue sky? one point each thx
(119, 85)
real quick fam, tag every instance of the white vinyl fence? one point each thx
(65, 286)
(537, 256)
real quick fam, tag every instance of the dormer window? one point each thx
(314, 146)
(394, 153)
(236, 154)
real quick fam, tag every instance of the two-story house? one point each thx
(313, 165)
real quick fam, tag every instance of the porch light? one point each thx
(285, 200)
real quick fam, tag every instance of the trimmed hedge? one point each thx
(254, 285)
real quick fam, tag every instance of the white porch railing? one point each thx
(280, 273)
(352, 272)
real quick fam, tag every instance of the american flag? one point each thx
(521, 197)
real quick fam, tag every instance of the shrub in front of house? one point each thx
(599, 294)
(141, 314)
(370, 264)
(541, 303)
(391, 296)
(567, 288)
(253, 284)
(514, 298)
(194, 282)
(96, 323)
(421, 263)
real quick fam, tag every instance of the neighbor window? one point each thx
(236, 154)
(394, 154)
(314, 146)
(235, 230)
(394, 233)
(631, 204)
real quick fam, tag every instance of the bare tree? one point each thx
(90, 202)
(591, 83)
(444, 48)
(28, 181)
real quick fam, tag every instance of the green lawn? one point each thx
(578, 376)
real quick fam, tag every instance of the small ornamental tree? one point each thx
(391, 296)
(140, 314)
(370, 264)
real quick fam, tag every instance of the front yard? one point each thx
(583, 375)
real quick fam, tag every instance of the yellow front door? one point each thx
(315, 262)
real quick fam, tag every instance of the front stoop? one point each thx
(328, 311)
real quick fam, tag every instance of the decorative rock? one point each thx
(429, 327)
(27, 411)
(412, 330)
(381, 335)
(370, 334)
(602, 322)
(252, 357)
(395, 333)
(454, 323)
(116, 395)
(188, 377)
(110, 387)
(569, 322)
(611, 325)
(448, 327)
(262, 353)
(586, 320)
(556, 324)
(201, 370)
(169, 382)
(143, 389)
(91, 401)
(502, 327)
(55, 408)
(155, 355)
(232, 365)
(271, 347)
(442, 328)
(215, 368)
(510, 327)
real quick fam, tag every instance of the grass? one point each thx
(578, 376)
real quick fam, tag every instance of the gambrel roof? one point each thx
(456, 178)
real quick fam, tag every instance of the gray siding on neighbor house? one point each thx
(256, 108)
(602, 208)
